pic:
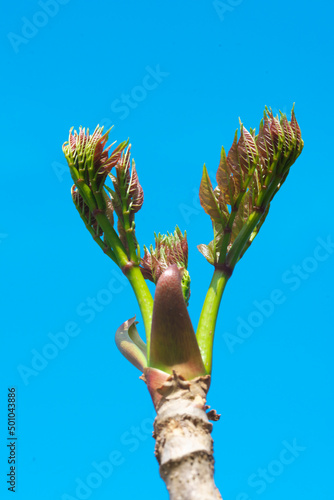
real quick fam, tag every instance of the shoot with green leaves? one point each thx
(177, 363)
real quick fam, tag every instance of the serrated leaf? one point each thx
(212, 251)
(116, 201)
(243, 213)
(222, 204)
(169, 249)
(233, 163)
(276, 132)
(255, 232)
(109, 210)
(265, 145)
(208, 199)
(226, 180)
(136, 192)
(248, 178)
(127, 199)
(296, 130)
(289, 138)
(85, 212)
(207, 252)
(122, 233)
(247, 150)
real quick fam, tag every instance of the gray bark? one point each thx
(184, 446)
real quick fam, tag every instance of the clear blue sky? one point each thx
(174, 77)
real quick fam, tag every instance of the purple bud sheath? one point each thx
(173, 340)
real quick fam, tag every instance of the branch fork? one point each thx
(176, 363)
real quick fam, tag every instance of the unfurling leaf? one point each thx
(85, 213)
(136, 193)
(127, 199)
(173, 340)
(228, 179)
(246, 151)
(130, 344)
(209, 199)
(91, 223)
(248, 178)
(90, 164)
(212, 251)
(169, 249)
(208, 252)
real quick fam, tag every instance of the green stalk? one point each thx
(113, 239)
(209, 314)
(129, 233)
(144, 299)
(207, 322)
(242, 238)
(266, 194)
(102, 244)
(133, 273)
(227, 236)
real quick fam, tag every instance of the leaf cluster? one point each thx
(90, 166)
(126, 199)
(248, 177)
(169, 249)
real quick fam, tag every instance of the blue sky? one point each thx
(175, 78)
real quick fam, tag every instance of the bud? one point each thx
(279, 143)
(173, 341)
(89, 162)
(127, 198)
(169, 249)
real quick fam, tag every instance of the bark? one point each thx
(184, 446)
